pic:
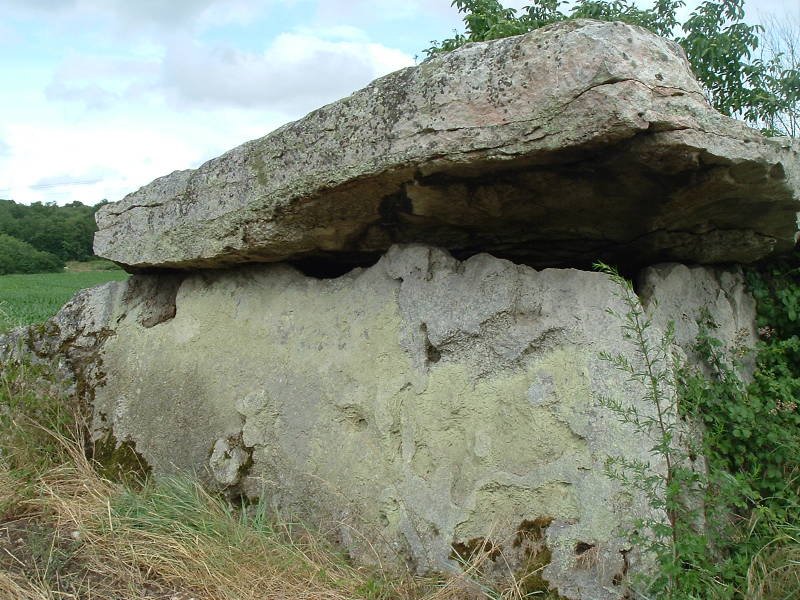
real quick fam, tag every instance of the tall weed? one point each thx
(727, 531)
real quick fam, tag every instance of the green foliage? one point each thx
(776, 288)
(751, 431)
(674, 494)
(63, 231)
(751, 443)
(17, 256)
(35, 414)
(719, 44)
(717, 524)
(775, 390)
(26, 299)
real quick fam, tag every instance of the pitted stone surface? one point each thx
(580, 141)
(424, 403)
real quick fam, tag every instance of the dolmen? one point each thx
(384, 315)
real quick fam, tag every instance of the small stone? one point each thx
(226, 461)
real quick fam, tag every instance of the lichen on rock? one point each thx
(376, 317)
(580, 141)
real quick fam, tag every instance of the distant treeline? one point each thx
(40, 237)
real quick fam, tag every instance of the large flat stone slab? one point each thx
(579, 141)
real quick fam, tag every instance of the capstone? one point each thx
(580, 141)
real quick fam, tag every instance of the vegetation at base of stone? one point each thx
(42, 237)
(722, 49)
(752, 448)
(68, 532)
(728, 531)
(755, 429)
(35, 414)
(27, 299)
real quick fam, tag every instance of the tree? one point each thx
(719, 45)
(17, 256)
(780, 50)
(63, 231)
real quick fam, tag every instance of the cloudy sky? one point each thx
(99, 97)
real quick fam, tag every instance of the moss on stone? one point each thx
(536, 556)
(119, 461)
(260, 168)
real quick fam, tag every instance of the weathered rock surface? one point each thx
(717, 298)
(426, 403)
(580, 141)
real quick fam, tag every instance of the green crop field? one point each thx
(26, 299)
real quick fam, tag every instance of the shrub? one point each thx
(740, 539)
(17, 256)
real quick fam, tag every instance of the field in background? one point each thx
(26, 299)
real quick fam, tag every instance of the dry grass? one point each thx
(775, 572)
(14, 589)
(173, 537)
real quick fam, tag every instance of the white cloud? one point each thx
(169, 101)
(109, 157)
(101, 82)
(348, 33)
(296, 73)
(8, 36)
(92, 96)
(169, 13)
(386, 10)
(221, 12)
(55, 162)
(759, 10)
(159, 15)
(93, 175)
(141, 88)
(46, 5)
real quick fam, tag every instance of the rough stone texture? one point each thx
(425, 403)
(72, 340)
(579, 141)
(717, 297)
(227, 462)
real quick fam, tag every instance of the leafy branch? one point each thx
(720, 45)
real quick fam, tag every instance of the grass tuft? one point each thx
(774, 573)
